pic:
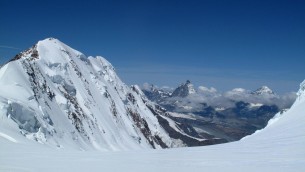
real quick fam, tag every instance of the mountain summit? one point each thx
(184, 90)
(264, 90)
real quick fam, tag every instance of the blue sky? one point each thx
(219, 43)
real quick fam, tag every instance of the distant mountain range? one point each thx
(230, 115)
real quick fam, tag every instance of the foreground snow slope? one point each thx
(278, 147)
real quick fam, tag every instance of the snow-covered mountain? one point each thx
(264, 90)
(57, 96)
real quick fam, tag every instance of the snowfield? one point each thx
(31, 141)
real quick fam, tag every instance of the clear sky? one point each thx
(219, 43)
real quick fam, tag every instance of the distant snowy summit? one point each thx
(57, 96)
(264, 90)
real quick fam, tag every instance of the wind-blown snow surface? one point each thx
(278, 147)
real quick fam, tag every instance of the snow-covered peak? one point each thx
(52, 50)
(184, 90)
(51, 43)
(264, 90)
(61, 49)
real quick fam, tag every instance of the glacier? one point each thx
(35, 134)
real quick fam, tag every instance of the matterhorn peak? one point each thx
(184, 89)
(264, 90)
